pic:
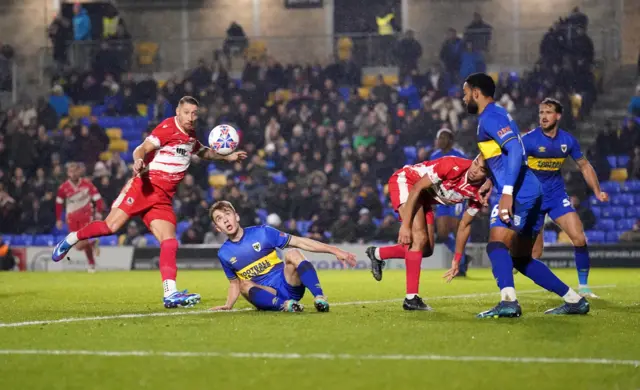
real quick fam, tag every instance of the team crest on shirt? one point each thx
(563, 148)
(455, 168)
(129, 201)
(256, 246)
(233, 260)
(542, 149)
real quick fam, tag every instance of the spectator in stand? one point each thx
(81, 23)
(582, 46)
(471, 61)
(60, 102)
(236, 41)
(409, 52)
(634, 105)
(632, 235)
(451, 52)
(478, 33)
(132, 236)
(577, 18)
(60, 34)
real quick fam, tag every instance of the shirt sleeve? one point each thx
(158, 136)
(528, 142)
(499, 129)
(276, 238)
(226, 267)
(575, 151)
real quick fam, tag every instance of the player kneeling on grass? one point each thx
(254, 268)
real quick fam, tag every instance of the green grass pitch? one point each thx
(366, 341)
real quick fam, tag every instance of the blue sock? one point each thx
(264, 300)
(583, 263)
(501, 264)
(309, 278)
(538, 271)
(450, 243)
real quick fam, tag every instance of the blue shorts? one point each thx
(527, 220)
(557, 205)
(284, 290)
(454, 210)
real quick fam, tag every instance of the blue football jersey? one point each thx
(495, 128)
(545, 156)
(453, 152)
(254, 257)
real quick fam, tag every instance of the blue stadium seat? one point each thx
(141, 123)
(211, 168)
(597, 211)
(8, 238)
(151, 240)
(279, 178)
(550, 236)
(111, 240)
(411, 153)
(633, 212)
(625, 224)
(388, 211)
(612, 187)
(262, 214)
(303, 227)
(613, 236)
(617, 212)
(632, 186)
(623, 161)
(377, 221)
(182, 226)
(127, 157)
(622, 200)
(98, 110)
(613, 161)
(345, 92)
(595, 236)
(44, 240)
(636, 198)
(60, 237)
(606, 224)
(22, 240)
(593, 201)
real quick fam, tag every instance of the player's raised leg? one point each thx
(299, 272)
(541, 274)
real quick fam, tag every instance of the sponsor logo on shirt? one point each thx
(504, 131)
(542, 149)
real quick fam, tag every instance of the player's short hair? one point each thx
(72, 164)
(189, 100)
(221, 205)
(483, 82)
(553, 102)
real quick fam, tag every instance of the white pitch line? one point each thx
(325, 356)
(198, 312)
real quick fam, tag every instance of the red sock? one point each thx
(413, 261)
(89, 252)
(168, 252)
(392, 252)
(94, 229)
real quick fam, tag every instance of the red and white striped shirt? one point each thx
(79, 199)
(168, 164)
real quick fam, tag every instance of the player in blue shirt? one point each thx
(517, 219)
(253, 261)
(547, 147)
(448, 216)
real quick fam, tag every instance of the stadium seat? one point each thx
(550, 237)
(633, 212)
(613, 236)
(98, 110)
(77, 112)
(262, 214)
(595, 236)
(597, 211)
(8, 238)
(44, 240)
(151, 240)
(105, 156)
(632, 185)
(623, 161)
(118, 145)
(142, 109)
(114, 133)
(108, 240)
(617, 212)
(303, 227)
(279, 178)
(217, 181)
(182, 226)
(625, 224)
(605, 224)
(391, 79)
(369, 80)
(363, 92)
(146, 53)
(22, 240)
(132, 135)
(345, 93)
(612, 187)
(411, 153)
(127, 157)
(613, 161)
(619, 174)
(622, 200)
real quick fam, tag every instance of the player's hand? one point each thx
(404, 235)
(236, 156)
(485, 192)
(138, 167)
(505, 208)
(59, 225)
(346, 257)
(603, 196)
(453, 271)
(221, 308)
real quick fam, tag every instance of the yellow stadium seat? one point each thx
(415, 113)
(162, 83)
(283, 94)
(114, 133)
(217, 181)
(257, 49)
(619, 174)
(118, 145)
(494, 76)
(77, 112)
(363, 92)
(576, 104)
(142, 109)
(146, 52)
(105, 156)
(63, 122)
(369, 80)
(391, 79)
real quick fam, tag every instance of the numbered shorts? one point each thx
(557, 205)
(399, 188)
(284, 290)
(527, 220)
(140, 197)
(455, 210)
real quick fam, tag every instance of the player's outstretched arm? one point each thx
(209, 154)
(232, 295)
(591, 178)
(307, 244)
(462, 236)
(408, 211)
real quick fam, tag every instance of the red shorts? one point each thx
(141, 197)
(399, 188)
(77, 222)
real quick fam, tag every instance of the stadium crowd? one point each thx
(320, 152)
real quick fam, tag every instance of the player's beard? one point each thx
(550, 126)
(472, 107)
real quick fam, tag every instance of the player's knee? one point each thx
(520, 263)
(536, 252)
(494, 246)
(427, 251)
(579, 241)
(170, 244)
(294, 256)
(245, 286)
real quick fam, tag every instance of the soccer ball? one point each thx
(223, 139)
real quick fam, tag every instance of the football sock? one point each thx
(390, 252)
(309, 278)
(92, 230)
(413, 261)
(571, 296)
(89, 252)
(542, 276)
(168, 266)
(502, 267)
(450, 243)
(264, 300)
(583, 264)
